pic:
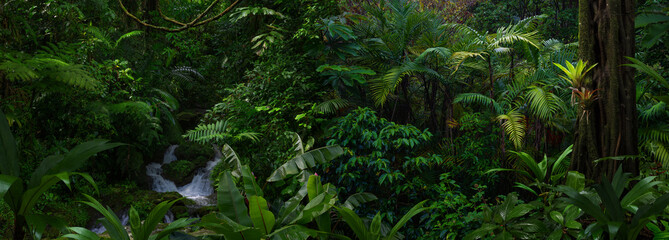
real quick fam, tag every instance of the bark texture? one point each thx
(609, 128)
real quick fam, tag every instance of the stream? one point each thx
(199, 189)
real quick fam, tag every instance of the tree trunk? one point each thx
(606, 36)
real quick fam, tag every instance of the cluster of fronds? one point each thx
(140, 117)
(48, 69)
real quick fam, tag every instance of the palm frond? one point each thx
(385, 85)
(477, 98)
(436, 53)
(331, 106)
(543, 104)
(514, 125)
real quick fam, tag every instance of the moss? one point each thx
(199, 154)
(6, 220)
(180, 171)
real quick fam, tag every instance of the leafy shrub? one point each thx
(385, 159)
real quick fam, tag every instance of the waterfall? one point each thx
(198, 190)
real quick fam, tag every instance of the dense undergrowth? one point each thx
(388, 119)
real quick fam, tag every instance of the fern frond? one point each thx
(544, 105)
(186, 73)
(385, 85)
(127, 35)
(99, 36)
(15, 70)
(207, 133)
(253, 136)
(333, 105)
(435, 52)
(656, 111)
(514, 125)
(658, 133)
(477, 98)
(659, 150)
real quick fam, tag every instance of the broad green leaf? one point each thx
(557, 217)
(230, 201)
(9, 157)
(251, 188)
(358, 199)
(173, 227)
(289, 207)
(354, 222)
(261, 217)
(38, 223)
(418, 208)
(110, 221)
(575, 180)
(6, 181)
(81, 234)
(305, 161)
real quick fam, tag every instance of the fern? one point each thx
(208, 133)
(217, 132)
(656, 111)
(477, 98)
(385, 85)
(127, 35)
(514, 125)
(333, 105)
(544, 105)
(15, 70)
(47, 71)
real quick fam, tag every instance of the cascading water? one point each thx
(198, 190)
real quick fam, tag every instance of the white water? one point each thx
(198, 190)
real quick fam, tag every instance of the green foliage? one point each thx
(509, 220)
(382, 158)
(22, 196)
(611, 210)
(139, 229)
(374, 231)
(543, 175)
(237, 220)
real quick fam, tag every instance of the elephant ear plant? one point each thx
(21, 195)
(247, 216)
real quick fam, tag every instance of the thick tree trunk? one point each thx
(609, 128)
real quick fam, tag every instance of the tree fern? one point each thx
(385, 85)
(514, 125)
(16, 70)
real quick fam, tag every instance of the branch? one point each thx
(166, 18)
(194, 23)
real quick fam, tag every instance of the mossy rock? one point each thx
(204, 211)
(198, 154)
(180, 172)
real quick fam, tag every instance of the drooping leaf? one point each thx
(305, 161)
